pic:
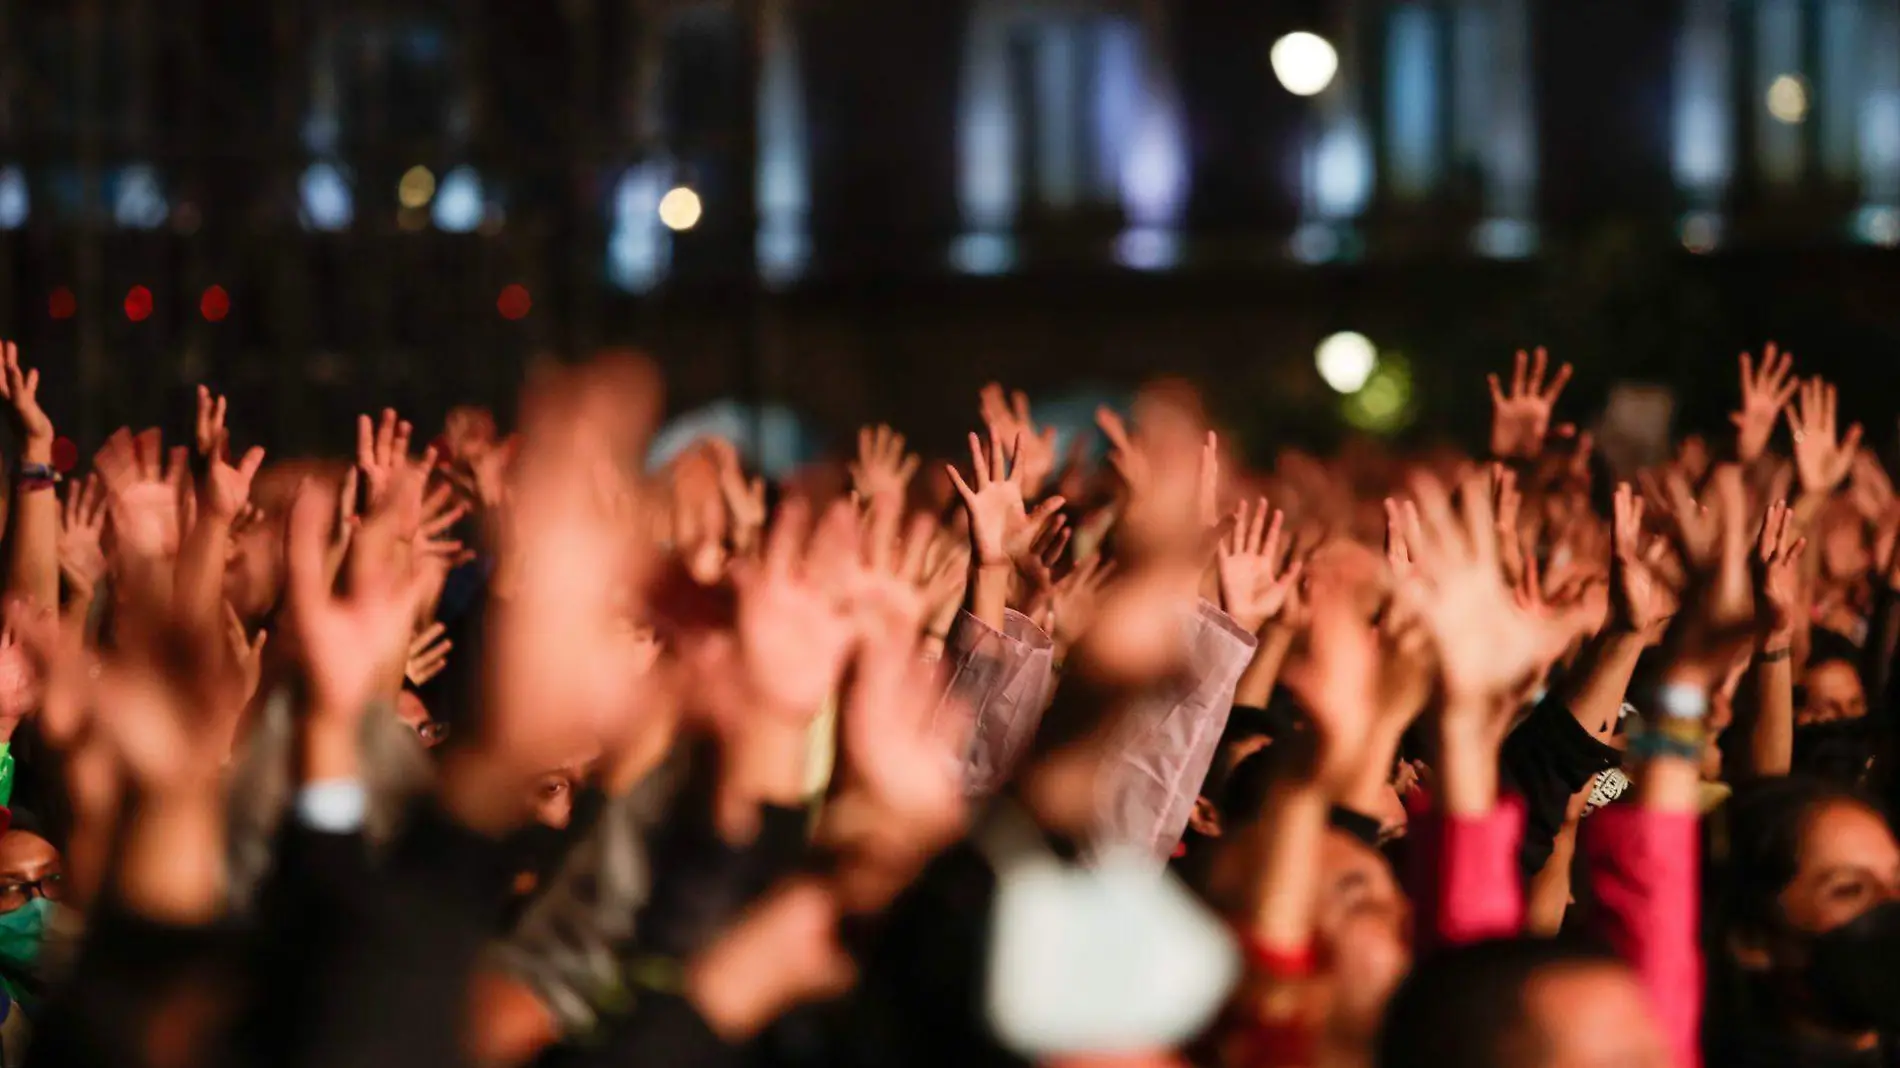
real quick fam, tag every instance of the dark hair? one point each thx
(1465, 1006)
(1758, 848)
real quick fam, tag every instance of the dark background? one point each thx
(553, 102)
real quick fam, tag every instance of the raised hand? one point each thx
(143, 498)
(883, 470)
(894, 590)
(82, 524)
(745, 499)
(22, 392)
(1124, 455)
(1255, 578)
(1402, 533)
(1489, 648)
(1009, 421)
(999, 524)
(345, 641)
(1766, 391)
(1036, 565)
(794, 621)
(1822, 457)
(225, 489)
(1778, 592)
(1336, 684)
(1520, 419)
(244, 656)
(382, 448)
(428, 655)
(1505, 499)
(1639, 602)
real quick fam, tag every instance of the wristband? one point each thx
(1770, 656)
(1276, 963)
(1681, 700)
(37, 476)
(1651, 745)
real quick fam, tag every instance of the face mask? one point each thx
(1853, 972)
(1113, 958)
(23, 932)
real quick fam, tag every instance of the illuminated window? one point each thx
(639, 248)
(784, 172)
(14, 202)
(1068, 106)
(1704, 157)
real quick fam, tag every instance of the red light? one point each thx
(62, 304)
(138, 304)
(215, 304)
(65, 454)
(514, 301)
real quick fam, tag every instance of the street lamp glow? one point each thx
(1788, 99)
(1346, 360)
(1304, 62)
(680, 208)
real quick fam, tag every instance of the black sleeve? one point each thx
(664, 1030)
(394, 989)
(1545, 760)
(131, 971)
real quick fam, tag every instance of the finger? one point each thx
(1557, 383)
(1268, 547)
(1256, 535)
(1019, 405)
(365, 441)
(1518, 370)
(253, 459)
(963, 488)
(1497, 391)
(1045, 510)
(307, 533)
(386, 437)
(1058, 544)
(979, 462)
(1540, 362)
(1852, 441)
(786, 540)
(1749, 384)
(148, 448)
(421, 642)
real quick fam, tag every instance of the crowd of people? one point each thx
(507, 750)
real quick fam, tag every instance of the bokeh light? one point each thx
(1385, 405)
(515, 302)
(680, 208)
(1346, 360)
(215, 304)
(1788, 99)
(416, 187)
(61, 304)
(1304, 62)
(138, 304)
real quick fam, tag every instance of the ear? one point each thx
(1205, 819)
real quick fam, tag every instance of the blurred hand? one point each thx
(1639, 602)
(244, 655)
(144, 498)
(428, 654)
(745, 499)
(794, 621)
(1075, 598)
(1255, 577)
(22, 392)
(1009, 421)
(1520, 419)
(1822, 457)
(1765, 393)
(883, 470)
(82, 524)
(382, 448)
(225, 489)
(1036, 564)
(1778, 594)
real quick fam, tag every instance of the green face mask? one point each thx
(23, 932)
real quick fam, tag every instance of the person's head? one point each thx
(1363, 920)
(1813, 871)
(1832, 692)
(1521, 1003)
(32, 884)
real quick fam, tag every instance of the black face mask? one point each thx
(1853, 972)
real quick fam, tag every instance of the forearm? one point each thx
(1597, 699)
(33, 571)
(988, 595)
(200, 577)
(1548, 896)
(1771, 726)
(171, 868)
(1263, 671)
(1288, 838)
(1369, 788)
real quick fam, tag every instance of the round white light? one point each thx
(680, 208)
(1304, 62)
(1788, 99)
(1346, 360)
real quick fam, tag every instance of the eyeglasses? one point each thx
(16, 893)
